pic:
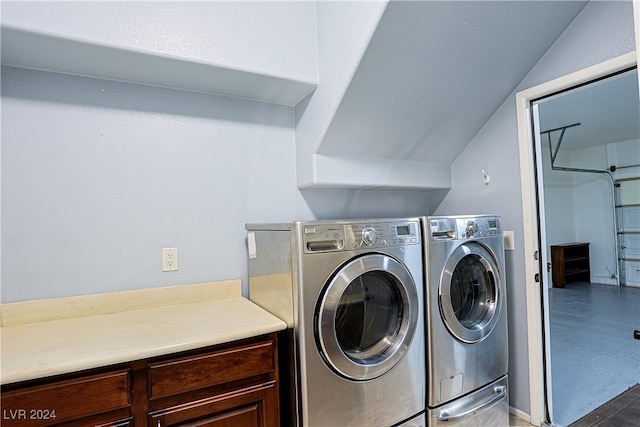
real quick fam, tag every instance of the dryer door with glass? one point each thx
(366, 317)
(469, 295)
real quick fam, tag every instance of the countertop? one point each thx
(85, 335)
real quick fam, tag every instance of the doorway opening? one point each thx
(574, 167)
(587, 138)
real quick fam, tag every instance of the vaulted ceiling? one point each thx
(607, 111)
(435, 71)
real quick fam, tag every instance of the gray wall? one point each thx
(603, 30)
(98, 176)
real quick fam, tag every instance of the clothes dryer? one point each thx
(465, 302)
(351, 293)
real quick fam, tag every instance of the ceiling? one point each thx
(435, 72)
(608, 111)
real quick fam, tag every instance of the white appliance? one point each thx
(351, 293)
(466, 318)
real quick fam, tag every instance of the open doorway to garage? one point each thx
(587, 149)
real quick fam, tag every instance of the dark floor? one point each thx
(594, 357)
(623, 411)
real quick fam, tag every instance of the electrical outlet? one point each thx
(169, 259)
(509, 244)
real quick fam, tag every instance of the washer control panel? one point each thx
(443, 228)
(323, 237)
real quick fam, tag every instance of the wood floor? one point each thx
(517, 422)
(624, 410)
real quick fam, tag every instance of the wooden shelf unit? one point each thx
(570, 263)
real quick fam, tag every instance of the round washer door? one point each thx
(469, 293)
(366, 317)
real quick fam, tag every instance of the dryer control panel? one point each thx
(323, 237)
(465, 227)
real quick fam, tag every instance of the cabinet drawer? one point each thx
(254, 406)
(66, 400)
(194, 372)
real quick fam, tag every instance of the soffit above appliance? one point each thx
(435, 72)
(431, 76)
(28, 48)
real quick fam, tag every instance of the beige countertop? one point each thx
(73, 334)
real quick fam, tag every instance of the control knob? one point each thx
(369, 236)
(472, 228)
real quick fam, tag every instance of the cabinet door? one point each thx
(182, 375)
(96, 398)
(125, 422)
(252, 406)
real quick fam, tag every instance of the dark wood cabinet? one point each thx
(233, 384)
(570, 263)
(230, 386)
(98, 399)
(248, 407)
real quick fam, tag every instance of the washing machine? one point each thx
(466, 321)
(351, 293)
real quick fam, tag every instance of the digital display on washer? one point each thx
(493, 223)
(403, 230)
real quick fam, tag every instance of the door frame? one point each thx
(535, 324)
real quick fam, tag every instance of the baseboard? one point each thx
(518, 413)
(601, 280)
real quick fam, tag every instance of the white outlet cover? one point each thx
(169, 259)
(509, 243)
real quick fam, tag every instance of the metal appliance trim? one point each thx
(326, 311)
(492, 315)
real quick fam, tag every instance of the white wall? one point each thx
(626, 156)
(579, 208)
(344, 31)
(594, 213)
(558, 201)
(265, 37)
(602, 31)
